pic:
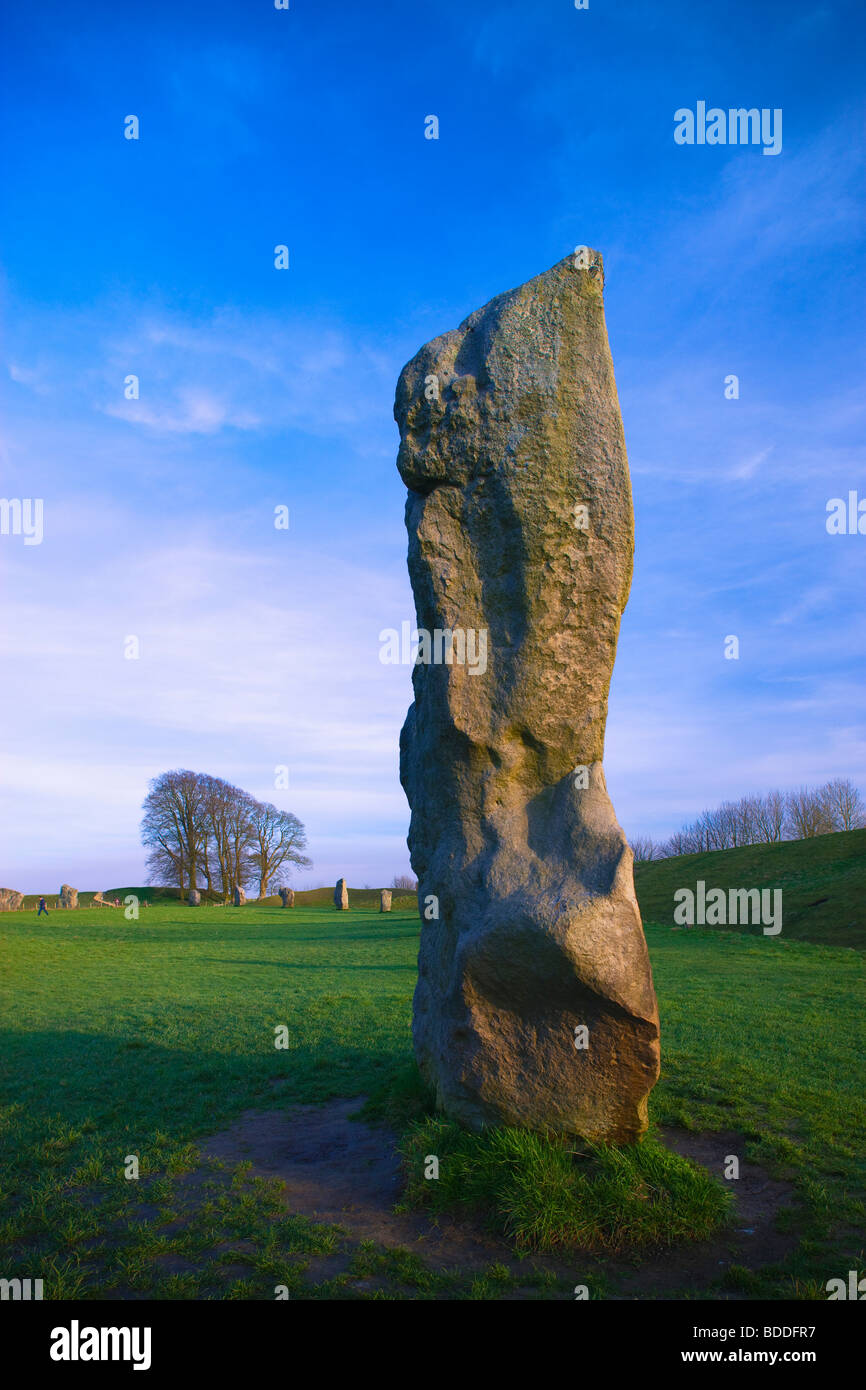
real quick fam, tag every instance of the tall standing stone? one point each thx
(385, 900)
(10, 900)
(68, 896)
(341, 895)
(287, 897)
(240, 897)
(534, 1004)
(194, 897)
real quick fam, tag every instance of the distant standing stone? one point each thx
(68, 896)
(194, 898)
(287, 897)
(240, 897)
(385, 903)
(341, 895)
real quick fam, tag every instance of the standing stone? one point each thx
(68, 896)
(535, 1003)
(10, 900)
(194, 898)
(341, 895)
(240, 897)
(385, 900)
(287, 897)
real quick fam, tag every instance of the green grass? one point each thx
(141, 1037)
(547, 1194)
(823, 883)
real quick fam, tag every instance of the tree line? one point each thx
(755, 820)
(203, 833)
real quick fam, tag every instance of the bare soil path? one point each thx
(344, 1172)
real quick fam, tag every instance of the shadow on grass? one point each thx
(102, 1090)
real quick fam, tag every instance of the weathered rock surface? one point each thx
(68, 896)
(240, 897)
(10, 900)
(287, 897)
(520, 527)
(194, 897)
(341, 895)
(385, 900)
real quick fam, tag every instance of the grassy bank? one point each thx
(823, 883)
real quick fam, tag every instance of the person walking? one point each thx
(42, 908)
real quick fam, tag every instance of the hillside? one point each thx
(823, 883)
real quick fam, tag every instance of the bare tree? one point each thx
(747, 817)
(807, 813)
(644, 849)
(404, 883)
(171, 828)
(685, 841)
(241, 839)
(771, 814)
(164, 865)
(768, 819)
(277, 840)
(843, 805)
(198, 826)
(219, 821)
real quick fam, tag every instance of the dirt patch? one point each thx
(344, 1172)
(751, 1240)
(759, 1197)
(347, 1173)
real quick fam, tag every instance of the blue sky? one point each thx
(259, 387)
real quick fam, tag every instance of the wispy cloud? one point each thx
(226, 371)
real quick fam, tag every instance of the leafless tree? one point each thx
(220, 822)
(644, 848)
(683, 841)
(197, 826)
(747, 814)
(771, 813)
(278, 839)
(171, 828)
(843, 805)
(768, 819)
(404, 883)
(164, 865)
(807, 813)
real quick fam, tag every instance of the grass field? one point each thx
(823, 884)
(138, 1038)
